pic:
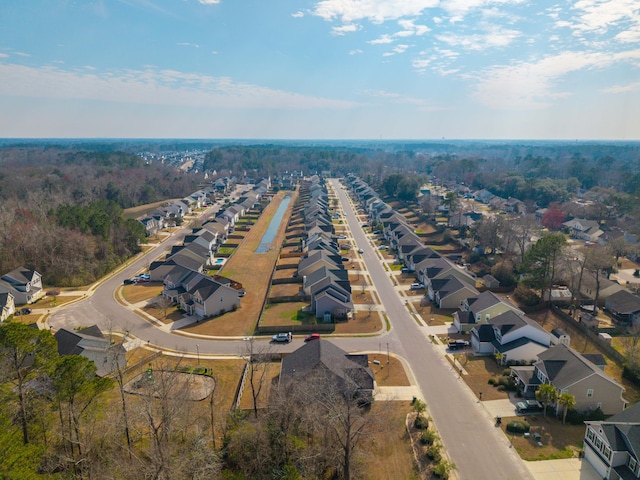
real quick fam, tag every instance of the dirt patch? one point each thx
(360, 297)
(430, 314)
(191, 387)
(271, 373)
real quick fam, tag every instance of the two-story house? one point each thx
(612, 446)
(570, 372)
(478, 310)
(25, 285)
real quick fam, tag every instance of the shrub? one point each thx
(527, 296)
(492, 381)
(518, 426)
(421, 422)
(507, 383)
(428, 437)
(575, 417)
(506, 372)
(433, 453)
(443, 469)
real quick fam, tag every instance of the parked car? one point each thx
(404, 270)
(341, 237)
(143, 275)
(529, 406)
(345, 259)
(25, 311)
(457, 344)
(242, 293)
(416, 286)
(281, 337)
(312, 336)
(360, 250)
(141, 280)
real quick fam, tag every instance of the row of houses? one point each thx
(182, 271)
(496, 326)
(324, 278)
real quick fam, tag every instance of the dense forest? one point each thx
(61, 205)
(61, 210)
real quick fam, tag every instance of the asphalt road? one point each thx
(479, 450)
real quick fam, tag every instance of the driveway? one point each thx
(566, 469)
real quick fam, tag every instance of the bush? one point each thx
(507, 383)
(421, 422)
(428, 437)
(575, 417)
(526, 296)
(506, 372)
(518, 426)
(433, 453)
(492, 381)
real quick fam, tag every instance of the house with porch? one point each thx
(570, 372)
(7, 306)
(612, 446)
(450, 292)
(624, 306)
(92, 344)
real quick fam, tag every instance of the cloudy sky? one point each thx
(321, 69)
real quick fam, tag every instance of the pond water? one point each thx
(270, 234)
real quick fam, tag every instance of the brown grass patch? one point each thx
(388, 449)
(290, 313)
(270, 376)
(558, 440)
(360, 297)
(141, 292)
(362, 323)
(49, 301)
(286, 273)
(172, 313)
(285, 290)
(390, 374)
(432, 315)
(480, 370)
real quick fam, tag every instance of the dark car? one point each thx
(312, 336)
(25, 311)
(529, 406)
(128, 281)
(457, 344)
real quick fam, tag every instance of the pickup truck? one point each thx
(457, 344)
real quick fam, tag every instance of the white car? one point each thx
(416, 286)
(282, 337)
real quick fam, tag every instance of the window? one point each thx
(590, 393)
(633, 464)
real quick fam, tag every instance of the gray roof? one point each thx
(623, 302)
(509, 321)
(322, 356)
(564, 367)
(68, 340)
(623, 430)
(483, 301)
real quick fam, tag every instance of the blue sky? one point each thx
(324, 69)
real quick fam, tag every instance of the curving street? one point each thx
(479, 450)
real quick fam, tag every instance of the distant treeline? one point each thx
(61, 211)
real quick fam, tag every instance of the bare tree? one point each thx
(258, 358)
(523, 228)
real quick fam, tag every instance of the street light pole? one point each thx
(198, 352)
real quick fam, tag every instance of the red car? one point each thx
(313, 336)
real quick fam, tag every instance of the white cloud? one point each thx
(214, 52)
(533, 84)
(382, 40)
(209, 2)
(376, 11)
(352, 27)
(410, 28)
(22, 54)
(357, 51)
(437, 20)
(187, 44)
(153, 87)
(458, 9)
(397, 50)
(493, 36)
(298, 14)
(4, 55)
(599, 16)
(630, 87)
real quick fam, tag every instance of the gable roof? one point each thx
(564, 367)
(624, 302)
(322, 355)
